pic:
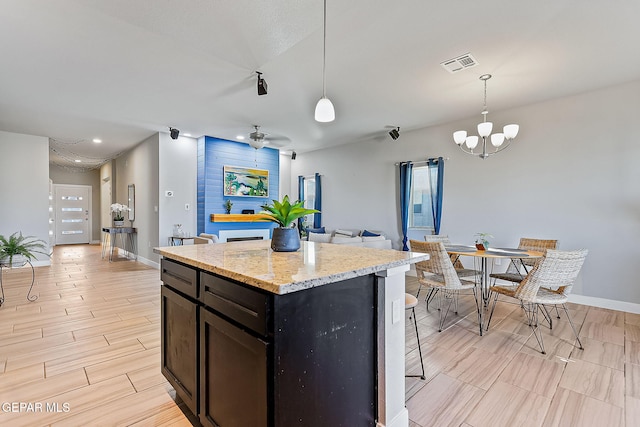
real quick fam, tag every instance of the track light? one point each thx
(395, 133)
(293, 155)
(262, 84)
(174, 133)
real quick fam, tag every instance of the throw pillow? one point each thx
(372, 238)
(319, 230)
(319, 237)
(343, 233)
(367, 233)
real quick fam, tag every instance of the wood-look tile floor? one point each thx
(88, 348)
(87, 351)
(502, 378)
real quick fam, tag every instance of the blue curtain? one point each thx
(300, 197)
(436, 182)
(406, 169)
(317, 218)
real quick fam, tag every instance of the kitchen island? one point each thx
(307, 338)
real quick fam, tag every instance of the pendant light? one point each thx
(324, 108)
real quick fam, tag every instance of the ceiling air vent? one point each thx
(460, 63)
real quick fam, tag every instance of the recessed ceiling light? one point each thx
(97, 140)
(78, 161)
(240, 137)
(186, 134)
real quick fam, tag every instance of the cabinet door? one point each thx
(179, 336)
(233, 375)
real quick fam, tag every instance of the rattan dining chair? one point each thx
(549, 282)
(457, 264)
(438, 273)
(461, 271)
(519, 267)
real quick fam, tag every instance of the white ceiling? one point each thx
(122, 70)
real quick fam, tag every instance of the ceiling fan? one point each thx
(259, 139)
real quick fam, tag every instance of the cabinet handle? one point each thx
(175, 276)
(233, 303)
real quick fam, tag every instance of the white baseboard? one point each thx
(629, 307)
(149, 263)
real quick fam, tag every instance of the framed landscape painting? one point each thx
(246, 182)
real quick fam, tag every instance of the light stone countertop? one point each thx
(315, 264)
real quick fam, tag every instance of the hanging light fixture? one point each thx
(468, 143)
(324, 108)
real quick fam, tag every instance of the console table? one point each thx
(127, 239)
(178, 240)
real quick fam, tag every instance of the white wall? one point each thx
(154, 166)
(571, 175)
(24, 191)
(107, 180)
(178, 173)
(139, 166)
(285, 182)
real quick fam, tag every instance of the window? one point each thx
(309, 199)
(420, 212)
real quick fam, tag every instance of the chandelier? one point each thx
(469, 143)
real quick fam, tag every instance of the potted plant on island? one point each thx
(285, 237)
(118, 209)
(16, 250)
(482, 244)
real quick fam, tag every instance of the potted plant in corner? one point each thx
(482, 244)
(118, 218)
(285, 237)
(16, 250)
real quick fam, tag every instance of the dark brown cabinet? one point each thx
(179, 344)
(233, 375)
(241, 356)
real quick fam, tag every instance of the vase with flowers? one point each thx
(118, 210)
(482, 244)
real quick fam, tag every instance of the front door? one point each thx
(72, 203)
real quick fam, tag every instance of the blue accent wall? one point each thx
(213, 155)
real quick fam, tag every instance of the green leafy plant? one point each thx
(17, 244)
(228, 204)
(284, 213)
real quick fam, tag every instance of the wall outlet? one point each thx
(168, 193)
(187, 206)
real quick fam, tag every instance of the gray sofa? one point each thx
(353, 237)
